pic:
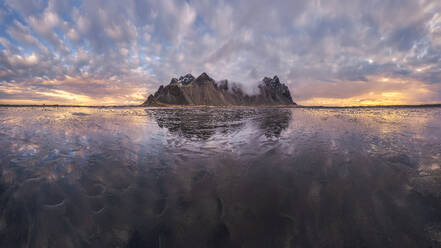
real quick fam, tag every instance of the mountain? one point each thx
(203, 90)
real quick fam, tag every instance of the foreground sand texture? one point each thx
(249, 177)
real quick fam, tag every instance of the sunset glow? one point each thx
(116, 52)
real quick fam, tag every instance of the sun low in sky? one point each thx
(333, 52)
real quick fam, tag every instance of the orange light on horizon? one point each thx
(377, 90)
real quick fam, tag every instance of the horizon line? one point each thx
(213, 106)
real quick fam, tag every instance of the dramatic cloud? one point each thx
(345, 52)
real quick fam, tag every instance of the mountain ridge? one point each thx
(205, 91)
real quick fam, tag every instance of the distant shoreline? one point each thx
(205, 106)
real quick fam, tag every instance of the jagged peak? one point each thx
(203, 78)
(204, 75)
(199, 91)
(184, 80)
(271, 81)
(266, 79)
(188, 75)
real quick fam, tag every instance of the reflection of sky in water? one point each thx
(136, 176)
(39, 135)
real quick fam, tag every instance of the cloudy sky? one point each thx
(329, 52)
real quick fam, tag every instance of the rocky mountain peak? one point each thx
(272, 82)
(204, 90)
(174, 81)
(203, 78)
(184, 80)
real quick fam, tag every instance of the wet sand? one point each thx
(219, 177)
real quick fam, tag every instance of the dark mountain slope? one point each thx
(204, 90)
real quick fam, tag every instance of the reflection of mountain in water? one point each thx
(274, 122)
(111, 178)
(204, 123)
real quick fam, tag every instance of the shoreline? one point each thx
(212, 106)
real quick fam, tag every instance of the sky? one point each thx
(330, 52)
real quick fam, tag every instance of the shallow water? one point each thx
(136, 177)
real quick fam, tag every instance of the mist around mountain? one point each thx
(205, 91)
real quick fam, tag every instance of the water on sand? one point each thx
(136, 177)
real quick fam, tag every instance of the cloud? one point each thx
(117, 51)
